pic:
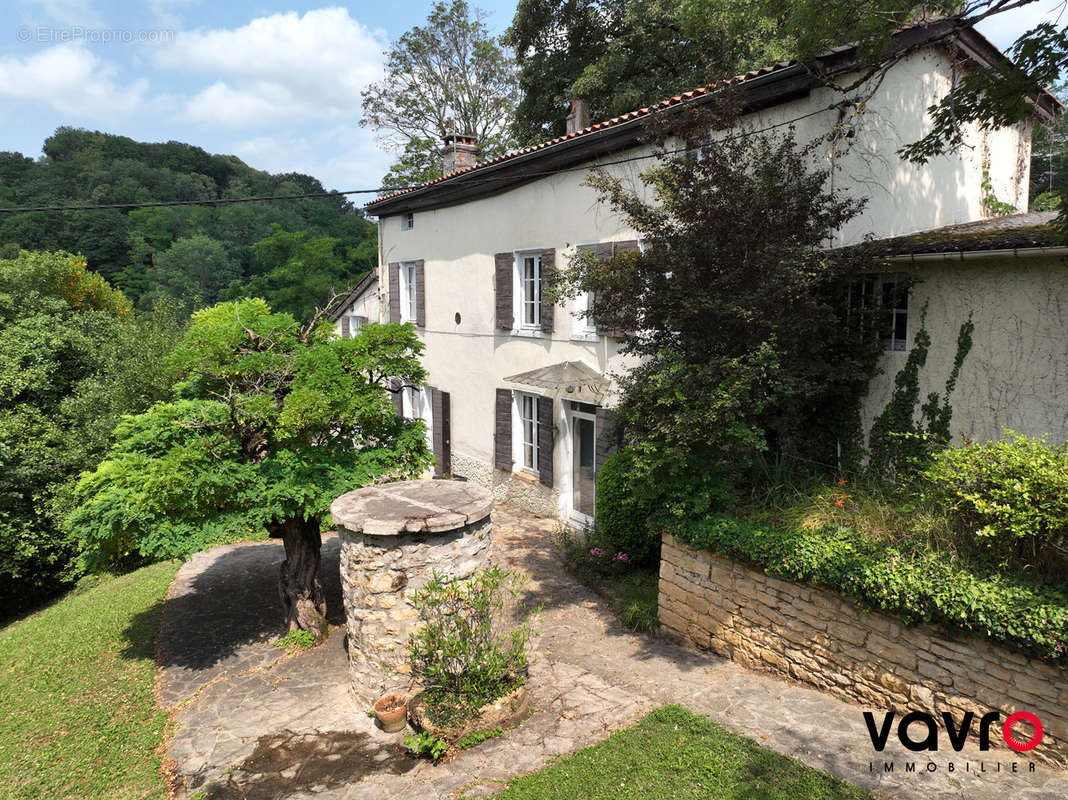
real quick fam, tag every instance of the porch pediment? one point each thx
(569, 376)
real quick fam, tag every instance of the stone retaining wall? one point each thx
(820, 638)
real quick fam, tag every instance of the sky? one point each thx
(275, 83)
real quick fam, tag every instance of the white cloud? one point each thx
(69, 12)
(71, 79)
(278, 68)
(342, 157)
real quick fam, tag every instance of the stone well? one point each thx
(393, 537)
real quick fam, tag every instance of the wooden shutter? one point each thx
(398, 396)
(394, 292)
(502, 431)
(346, 333)
(607, 436)
(503, 275)
(548, 279)
(546, 436)
(420, 294)
(442, 434)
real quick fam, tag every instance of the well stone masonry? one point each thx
(821, 638)
(393, 538)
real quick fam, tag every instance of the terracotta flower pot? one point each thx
(390, 711)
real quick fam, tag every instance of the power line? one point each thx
(380, 190)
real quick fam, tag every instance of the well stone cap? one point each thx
(423, 506)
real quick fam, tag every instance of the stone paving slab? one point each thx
(253, 722)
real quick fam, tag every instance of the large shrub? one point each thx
(640, 490)
(624, 509)
(1009, 498)
(472, 645)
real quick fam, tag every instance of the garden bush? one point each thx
(916, 585)
(624, 506)
(472, 646)
(639, 491)
(1008, 499)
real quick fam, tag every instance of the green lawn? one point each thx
(76, 680)
(675, 754)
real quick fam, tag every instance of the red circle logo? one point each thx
(1012, 741)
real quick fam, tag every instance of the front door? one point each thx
(583, 424)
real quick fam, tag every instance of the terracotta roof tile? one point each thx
(598, 126)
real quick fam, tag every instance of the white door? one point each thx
(582, 426)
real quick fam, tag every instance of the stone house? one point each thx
(520, 390)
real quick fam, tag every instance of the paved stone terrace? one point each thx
(254, 722)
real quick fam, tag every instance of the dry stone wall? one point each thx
(821, 638)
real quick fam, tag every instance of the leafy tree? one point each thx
(1049, 160)
(89, 167)
(450, 75)
(294, 272)
(73, 359)
(735, 309)
(624, 54)
(272, 421)
(194, 270)
(419, 162)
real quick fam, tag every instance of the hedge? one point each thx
(917, 587)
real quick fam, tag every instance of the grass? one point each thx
(631, 591)
(79, 715)
(673, 754)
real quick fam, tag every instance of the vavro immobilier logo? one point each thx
(919, 731)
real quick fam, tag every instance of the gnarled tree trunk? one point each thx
(299, 584)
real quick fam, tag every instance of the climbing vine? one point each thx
(898, 441)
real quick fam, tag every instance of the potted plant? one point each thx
(390, 712)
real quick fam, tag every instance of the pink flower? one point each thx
(622, 557)
(596, 552)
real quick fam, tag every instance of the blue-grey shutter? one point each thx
(546, 437)
(420, 294)
(394, 292)
(502, 431)
(503, 269)
(548, 275)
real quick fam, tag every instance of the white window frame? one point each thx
(407, 221)
(583, 328)
(408, 292)
(879, 282)
(893, 343)
(522, 425)
(415, 404)
(355, 323)
(519, 301)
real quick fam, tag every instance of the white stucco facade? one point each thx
(1016, 373)
(467, 356)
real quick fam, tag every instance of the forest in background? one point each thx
(290, 252)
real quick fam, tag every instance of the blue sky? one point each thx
(275, 83)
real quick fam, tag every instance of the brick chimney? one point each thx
(579, 118)
(460, 152)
